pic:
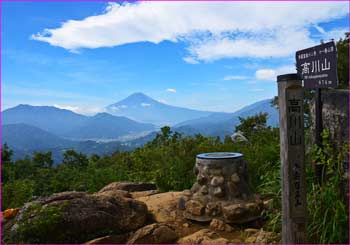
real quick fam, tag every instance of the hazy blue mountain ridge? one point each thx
(71, 125)
(49, 118)
(140, 107)
(224, 124)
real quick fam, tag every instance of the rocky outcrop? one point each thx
(129, 186)
(204, 236)
(219, 225)
(75, 217)
(113, 216)
(153, 234)
(261, 236)
(163, 206)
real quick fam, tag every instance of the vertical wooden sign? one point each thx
(292, 151)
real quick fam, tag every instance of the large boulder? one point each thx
(163, 206)
(129, 186)
(154, 234)
(75, 217)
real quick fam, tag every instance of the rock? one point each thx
(251, 231)
(181, 203)
(217, 225)
(216, 172)
(266, 237)
(162, 205)
(252, 207)
(114, 193)
(217, 181)
(195, 207)
(129, 186)
(75, 217)
(250, 239)
(235, 241)
(213, 209)
(112, 239)
(218, 192)
(235, 178)
(204, 236)
(219, 240)
(228, 228)
(186, 225)
(204, 190)
(233, 212)
(261, 236)
(154, 233)
(233, 189)
(137, 194)
(196, 187)
(201, 179)
(187, 193)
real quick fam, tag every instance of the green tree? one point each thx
(7, 170)
(42, 159)
(16, 193)
(74, 159)
(252, 124)
(6, 154)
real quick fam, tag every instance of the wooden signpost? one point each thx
(291, 116)
(316, 68)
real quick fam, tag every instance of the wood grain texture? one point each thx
(292, 152)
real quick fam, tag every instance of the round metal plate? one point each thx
(219, 155)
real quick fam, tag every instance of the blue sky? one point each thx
(209, 56)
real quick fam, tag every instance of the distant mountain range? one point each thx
(49, 118)
(221, 124)
(71, 125)
(140, 107)
(45, 128)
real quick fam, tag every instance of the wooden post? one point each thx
(319, 169)
(291, 121)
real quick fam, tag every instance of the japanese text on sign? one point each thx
(295, 121)
(317, 66)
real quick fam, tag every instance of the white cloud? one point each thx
(145, 104)
(171, 90)
(335, 34)
(320, 29)
(265, 74)
(71, 108)
(213, 30)
(190, 60)
(117, 108)
(86, 110)
(271, 74)
(162, 101)
(233, 77)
